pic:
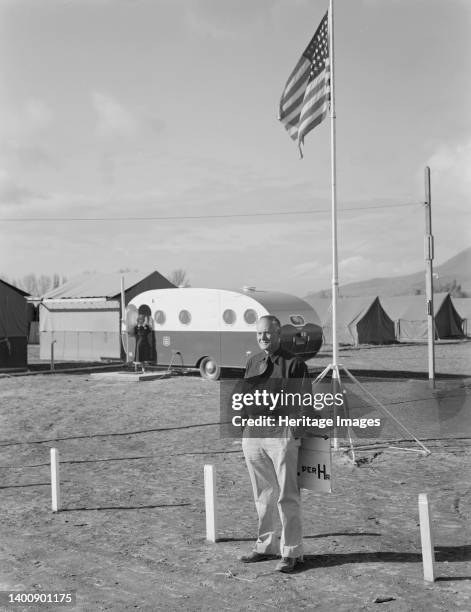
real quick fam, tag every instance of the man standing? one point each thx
(273, 461)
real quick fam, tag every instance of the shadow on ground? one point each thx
(442, 553)
(124, 507)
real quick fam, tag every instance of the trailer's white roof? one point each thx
(276, 300)
(271, 300)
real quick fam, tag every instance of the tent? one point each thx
(359, 320)
(81, 319)
(448, 323)
(409, 313)
(13, 326)
(463, 308)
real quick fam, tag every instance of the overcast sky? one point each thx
(158, 108)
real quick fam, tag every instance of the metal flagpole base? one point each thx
(336, 382)
(337, 387)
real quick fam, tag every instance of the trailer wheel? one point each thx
(209, 369)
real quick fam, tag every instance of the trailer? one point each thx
(212, 329)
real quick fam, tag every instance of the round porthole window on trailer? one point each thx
(250, 316)
(229, 316)
(159, 317)
(184, 317)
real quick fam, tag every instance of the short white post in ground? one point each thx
(210, 502)
(426, 537)
(55, 482)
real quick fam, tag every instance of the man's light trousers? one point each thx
(273, 470)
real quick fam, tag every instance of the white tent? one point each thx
(463, 308)
(409, 313)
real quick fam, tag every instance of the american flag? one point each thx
(305, 99)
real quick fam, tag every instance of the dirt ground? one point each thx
(451, 357)
(131, 534)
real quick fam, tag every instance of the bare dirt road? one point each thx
(131, 535)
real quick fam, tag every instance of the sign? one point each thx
(315, 465)
(166, 340)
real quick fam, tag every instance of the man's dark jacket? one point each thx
(281, 371)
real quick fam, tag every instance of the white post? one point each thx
(52, 354)
(426, 537)
(333, 165)
(210, 502)
(55, 483)
(123, 321)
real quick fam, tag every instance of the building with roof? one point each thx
(82, 318)
(13, 326)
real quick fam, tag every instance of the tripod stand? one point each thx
(336, 384)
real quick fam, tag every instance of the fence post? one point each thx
(426, 537)
(55, 482)
(210, 502)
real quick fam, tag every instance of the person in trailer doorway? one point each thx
(271, 455)
(142, 332)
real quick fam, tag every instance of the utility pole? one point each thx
(428, 253)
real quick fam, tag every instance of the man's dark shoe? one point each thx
(254, 557)
(287, 564)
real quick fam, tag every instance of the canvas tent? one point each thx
(409, 313)
(13, 326)
(82, 317)
(359, 320)
(463, 308)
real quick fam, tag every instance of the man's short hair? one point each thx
(272, 319)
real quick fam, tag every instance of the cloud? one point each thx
(30, 156)
(22, 135)
(155, 124)
(107, 168)
(350, 268)
(113, 118)
(308, 269)
(116, 123)
(222, 20)
(11, 193)
(450, 189)
(230, 20)
(38, 114)
(353, 267)
(26, 120)
(382, 3)
(449, 165)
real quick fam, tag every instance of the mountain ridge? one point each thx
(454, 276)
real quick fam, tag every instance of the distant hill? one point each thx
(452, 275)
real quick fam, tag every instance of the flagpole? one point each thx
(302, 107)
(335, 267)
(333, 164)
